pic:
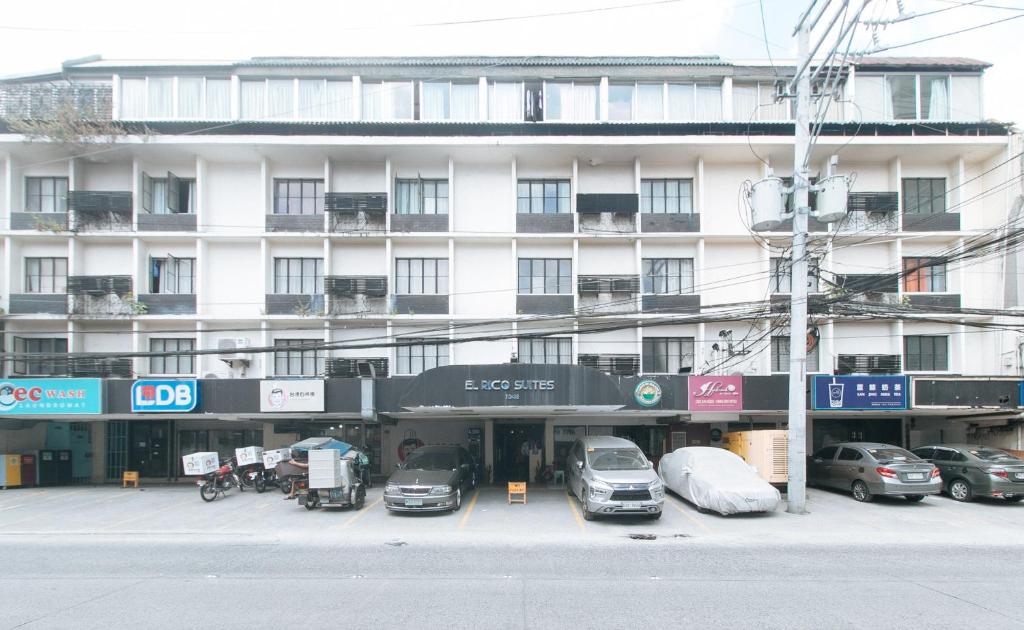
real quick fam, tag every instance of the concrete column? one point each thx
(549, 441)
(451, 195)
(574, 189)
(389, 189)
(264, 369)
(8, 276)
(8, 201)
(139, 363)
(327, 189)
(201, 361)
(489, 445)
(200, 194)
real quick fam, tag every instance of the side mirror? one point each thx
(579, 465)
(398, 465)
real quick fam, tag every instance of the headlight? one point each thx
(600, 491)
(440, 490)
(392, 488)
(657, 490)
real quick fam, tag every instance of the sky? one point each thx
(39, 35)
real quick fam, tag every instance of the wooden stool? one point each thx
(130, 477)
(517, 492)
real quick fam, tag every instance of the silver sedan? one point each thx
(867, 469)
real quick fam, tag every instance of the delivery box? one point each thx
(200, 463)
(249, 455)
(272, 457)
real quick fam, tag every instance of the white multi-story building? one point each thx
(512, 218)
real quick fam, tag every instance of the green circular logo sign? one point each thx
(647, 393)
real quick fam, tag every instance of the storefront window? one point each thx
(564, 439)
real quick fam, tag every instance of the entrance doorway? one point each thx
(831, 430)
(149, 448)
(518, 452)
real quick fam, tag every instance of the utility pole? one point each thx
(796, 488)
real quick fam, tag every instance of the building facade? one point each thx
(492, 252)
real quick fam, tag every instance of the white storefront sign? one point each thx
(292, 395)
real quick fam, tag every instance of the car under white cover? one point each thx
(718, 480)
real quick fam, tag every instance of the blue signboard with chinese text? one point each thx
(51, 396)
(839, 393)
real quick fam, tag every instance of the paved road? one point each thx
(222, 582)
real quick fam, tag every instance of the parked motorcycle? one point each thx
(220, 481)
(254, 476)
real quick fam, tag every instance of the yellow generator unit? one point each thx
(10, 471)
(767, 451)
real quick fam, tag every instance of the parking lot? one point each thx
(550, 516)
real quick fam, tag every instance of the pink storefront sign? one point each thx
(715, 393)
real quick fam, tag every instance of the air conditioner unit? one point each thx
(234, 349)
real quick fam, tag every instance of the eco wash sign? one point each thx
(51, 396)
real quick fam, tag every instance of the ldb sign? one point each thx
(164, 396)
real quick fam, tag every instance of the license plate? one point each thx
(200, 483)
(915, 476)
(631, 505)
(1018, 475)
(413, 502)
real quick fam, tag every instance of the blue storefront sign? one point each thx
(164, 396)
(839, 393)
(51, 396)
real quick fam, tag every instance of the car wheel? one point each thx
(587, 514)
(458, 500)
(960, 490)
(861, 492)
(1014, 499)
(914, 498)
(703, 510)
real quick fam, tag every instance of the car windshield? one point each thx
(616, 459)
(893, 455)
(992, 455)
(430, 460)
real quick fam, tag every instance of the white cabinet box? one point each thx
(325, 468)
(270, 458)
(200, 463)
(249, 455)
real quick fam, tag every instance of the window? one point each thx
(925, 353)
(190, 98)
(421, 276)
(934, 97)
(552, 350)
(849, 455)
(668, 355)
(450, 101)
(924, 275)
(650, 101)
(172, 275)
(46, 194)
(324, 100)
(421, 196)
(280, 101)
(253, 99)
(298, 196)
(218, 99)
(915, 97)
(620, 101)
(668, 275)
(826, 454)
(505, 101)
(570, 101)
(782, 275)
(160, 102)
(168, 195)
(132, 103)
(299, 276)
(666, 196)
(924, 195)
(780, 356)
(545, 275)
(46, 275)
(171, 363)
(297, 357)
(43, 366)
(421, 355)
(756, 101)
(542, 196)
(387, 100)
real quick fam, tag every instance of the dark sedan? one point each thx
(432, 479)
(971, 470)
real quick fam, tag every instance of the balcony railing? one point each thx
(357, 295)
(607, 212)
(101, 210)
(102, 296)
(45, 101)
(608, 284)
(616, 364)
(350, 367)
(100, 367)
(873, 202)
(601, 295)
(298, 304)
(356, 212)
(38, 303)
(868, 364)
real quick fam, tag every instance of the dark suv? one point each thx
(431, 479)
(970, 471)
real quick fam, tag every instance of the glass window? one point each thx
(924, 275)
(46, 275)
(901, 92)
(312, 99)
(298, 196)
(46, 194)
(682, 103)
(338, 103)
(421, 196)
(709, 101)
(450, 101)
(421, 276)
(504, 101)
(849, 455)
(827, 454)
(280, 99)
(966, 98)
(253, 97)
(781, 279)
(892, 454)
(924, 453)
(569, 101)
(927, 353)
(620, 101)
(171, 363)
(43, 366)
(668, 275)
(550, 350)
(780, 355)
(218, 99)
(387, 100)
(190, 98)
(421, 355)
(545, 276)
(650, 102)
(299, 276)
(158, 200)
(161, 95)
(172, 275)
(941, 455)
(934, 97)
(132, 103)
(744, 101)
(666, 196)
(298, 357)
(668, 355)
(542, 196)
(924, 195)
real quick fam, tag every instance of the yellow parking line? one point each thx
(469, 509)
(688, 516)
(358, 515)
(575, 512)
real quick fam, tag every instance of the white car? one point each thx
(718, 480)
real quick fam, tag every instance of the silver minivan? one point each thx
(610, 476)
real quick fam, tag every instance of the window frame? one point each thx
(450, 83)
(780, 275)
(932, 197)
(572, 83)
(780, 356)
(544, 183)
(562, 281)
(419, 186)
(925, 279)
(289, 351)
(665, 182)
(58, 200)
(55, 279)
(25, 366)
(289, 278)
(919, 364)
(416, 276)
(650, 354)
(418, 349)
(887, 106)
(158, 271)
(553, 350)
(149, 194)
(650, 277)
(175, 113)
(316, 200)
(178, 360)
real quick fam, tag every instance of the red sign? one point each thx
(715, 393)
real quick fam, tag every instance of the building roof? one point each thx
(947, 63)
(524, 60)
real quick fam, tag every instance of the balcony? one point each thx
(38, 303)
(607, 213)
(420, 304)
(41, 221)
(173, 222)
(296, 304)
(45, 101)
(868, 364)
(541, 223)
(350, 367)
(938, 222)
(100, 367)
(931, 300)
(873, 288)
(356, 212)
(675, 222)
(169, 303)
(357, 295)
(614, 364)
(671, 303)
(295, 223)
(871, 212)
(419, 222)
(605, 295)
(102, 296)
(540, 304)
(101, 211)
